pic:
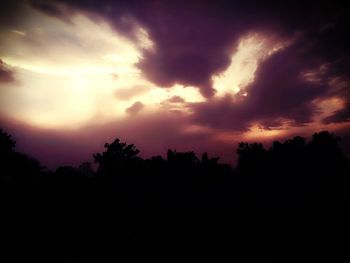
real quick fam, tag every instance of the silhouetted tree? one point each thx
(209, 161)
(85, 169)
(251, 158)
(275, 201)
(325, 153)
(14, 164)
(66, 171)
(117, 158)
(182, 159)
(7, 144)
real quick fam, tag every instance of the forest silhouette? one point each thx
(288, 202)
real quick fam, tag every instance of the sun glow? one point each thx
(72, 72)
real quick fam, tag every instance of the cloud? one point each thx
(279, 92)
(135, 108)
(176, 99)
(64, 71)
(49, 9)
(6, 75)
(10, 11)
(195, 40)
(342, 115)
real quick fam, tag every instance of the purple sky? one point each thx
(185, 75)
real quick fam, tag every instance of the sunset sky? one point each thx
(184, 75)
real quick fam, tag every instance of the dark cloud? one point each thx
(278, 92)
(135, 108)
(6, 75)
(10, 12)
(332, 43)
(48, 8)
(342, 115)
(195, 39)
(187, 52)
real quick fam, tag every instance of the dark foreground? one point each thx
(288, 203)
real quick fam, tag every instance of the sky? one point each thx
(184, 75)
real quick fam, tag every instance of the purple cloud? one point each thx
(342, 115)
(196, 39)
(278, 92)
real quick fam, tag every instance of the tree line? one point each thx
(286, 202)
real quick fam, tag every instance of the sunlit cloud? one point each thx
(256, 132)
(252, 49)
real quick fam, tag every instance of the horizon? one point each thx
(199, 155)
